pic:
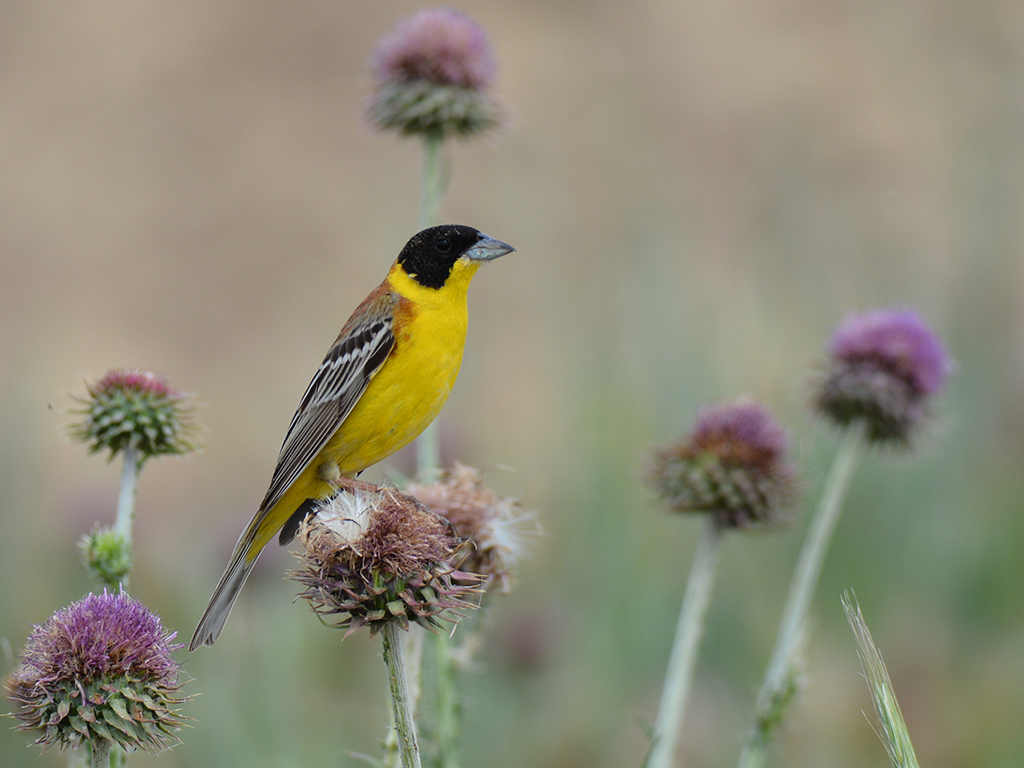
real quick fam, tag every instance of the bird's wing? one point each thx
(360, 350)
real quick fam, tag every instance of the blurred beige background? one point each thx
(698, 193)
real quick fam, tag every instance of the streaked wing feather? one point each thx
(334, 391)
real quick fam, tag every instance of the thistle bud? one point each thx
(134, 409)
(373, 557)
(433, 71)
(732, 465)
(107, 554)
(884, 367)
(491, 525)
(99, 670)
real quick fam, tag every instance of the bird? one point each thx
(385, 378)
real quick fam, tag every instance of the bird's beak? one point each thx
(487, 248)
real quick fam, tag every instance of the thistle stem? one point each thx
(432, 184)
(448, 708)
(99, 754)
(679, 675)
(778, 679)
(126, 499)
(405, 726)
(428, 445)
(412, 644)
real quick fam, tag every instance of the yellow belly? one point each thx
(402, 399)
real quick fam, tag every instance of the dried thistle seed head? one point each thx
(379, 556)
(732, 465)
(492, 525)
(134, 409)
(100, 669)
(884, 367)
(433, 72)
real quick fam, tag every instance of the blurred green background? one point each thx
(698, 193)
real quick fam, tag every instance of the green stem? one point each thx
(428, 452)
(428, 445)
(412, 644)
(684, 651)
(100, 754)
(779, 681)
(449, 712)
(412, 649)
(126, 499)
(405, 726)
(432, 183)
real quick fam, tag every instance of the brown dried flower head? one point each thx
(493, 525)
(377, 556)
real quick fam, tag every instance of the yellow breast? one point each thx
(410, 389)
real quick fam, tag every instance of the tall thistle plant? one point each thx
(381, 559)
(137, 415)
(99, 674)
(495, 530)
(883, 371)
(732, 468)
(434, 74)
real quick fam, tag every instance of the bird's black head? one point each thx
(429, 256)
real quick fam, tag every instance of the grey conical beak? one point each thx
(487, 248)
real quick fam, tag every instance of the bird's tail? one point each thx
(227, 590)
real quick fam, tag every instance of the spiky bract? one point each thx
(134, 409)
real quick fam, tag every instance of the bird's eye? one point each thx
(443, 244)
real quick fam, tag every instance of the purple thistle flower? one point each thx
(883, 367)
(432, 71)
(733, 465)
(131, 408)
(136, 379)
(100, 669)
(441, 45)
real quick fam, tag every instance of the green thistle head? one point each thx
(99, 670)
(107, 554)
(138, 410)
